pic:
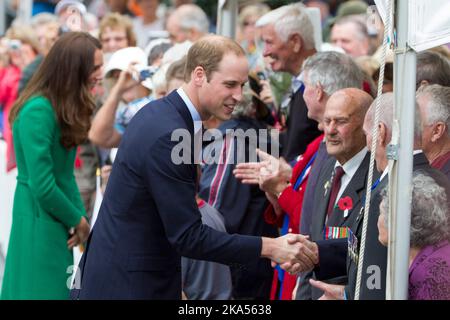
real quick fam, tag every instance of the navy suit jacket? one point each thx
(149, 216)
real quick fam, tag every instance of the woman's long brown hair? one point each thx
(63, 78)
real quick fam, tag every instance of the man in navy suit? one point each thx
(149, 216)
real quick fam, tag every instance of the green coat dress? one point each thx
(47, 204)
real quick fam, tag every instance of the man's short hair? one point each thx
(191, 16)
(387, 114)
(433, 68)
(386, 110)
(438, 108)
(288, 20)
(333, 71)
(359, 23)
(208, 53)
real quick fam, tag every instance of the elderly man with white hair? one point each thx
(288, 36)
(187, 23)
(434, 104)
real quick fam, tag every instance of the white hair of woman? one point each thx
(429, 211)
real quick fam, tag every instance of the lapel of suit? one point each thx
(175, 100)
(354, 190)
(373, 217)
(419, 161)
(374, 202)
(323, 190)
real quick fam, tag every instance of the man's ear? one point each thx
(192, 33)
(382, 134)
(198, 76)
(439, 129)
(296, 41)
(423, 83)
(319, 92)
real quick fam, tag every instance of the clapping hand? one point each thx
(248, 172)
(255, 172)
(276, 176)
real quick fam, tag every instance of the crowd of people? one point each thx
(230, 168)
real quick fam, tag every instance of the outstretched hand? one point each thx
(248, 172)
(258, 172)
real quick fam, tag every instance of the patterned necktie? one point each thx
(336, 185)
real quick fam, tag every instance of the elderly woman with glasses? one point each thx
(429, 255)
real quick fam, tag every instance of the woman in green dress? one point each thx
(49, 119)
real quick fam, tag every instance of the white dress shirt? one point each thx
(193, 111)
(350, 168)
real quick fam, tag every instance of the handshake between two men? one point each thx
(299, 254)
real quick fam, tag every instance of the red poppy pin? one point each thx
(345, 204)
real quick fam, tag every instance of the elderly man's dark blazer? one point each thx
(355, 190)
(149, 216)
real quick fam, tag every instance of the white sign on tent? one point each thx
(428, 22)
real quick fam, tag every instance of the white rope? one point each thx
(387, 33)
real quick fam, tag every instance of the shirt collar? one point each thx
(385, 172)
(297, 82)
(192, 110)
(352, 165)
